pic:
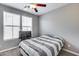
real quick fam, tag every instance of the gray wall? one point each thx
(15, 42)
(64, 22)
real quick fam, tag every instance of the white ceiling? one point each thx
(41, 10)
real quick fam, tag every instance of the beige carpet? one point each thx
(13, 52)
(64, 53)
(16, 52)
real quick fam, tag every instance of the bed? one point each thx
(41, 46)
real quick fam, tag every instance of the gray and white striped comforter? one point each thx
(41, 46)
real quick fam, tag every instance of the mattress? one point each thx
(41, 46)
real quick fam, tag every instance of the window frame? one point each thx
(10, 25)
(20, 26)
(27, 26)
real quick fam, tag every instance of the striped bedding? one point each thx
(41, 46)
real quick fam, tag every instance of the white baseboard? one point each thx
(8, 49)
(75, 53)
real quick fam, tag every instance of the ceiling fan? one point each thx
(34, 6)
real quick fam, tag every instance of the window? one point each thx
(11, 25)
(26, 23)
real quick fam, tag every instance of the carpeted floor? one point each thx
(13, 52)
(64, 53)
(16, 52)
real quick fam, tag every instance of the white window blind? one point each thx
(26, 23)
(11, 25)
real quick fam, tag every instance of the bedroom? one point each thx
(21, 21)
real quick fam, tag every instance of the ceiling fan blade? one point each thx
(41, 5)
(35, 9)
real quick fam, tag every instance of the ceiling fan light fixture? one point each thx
(33, 6)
